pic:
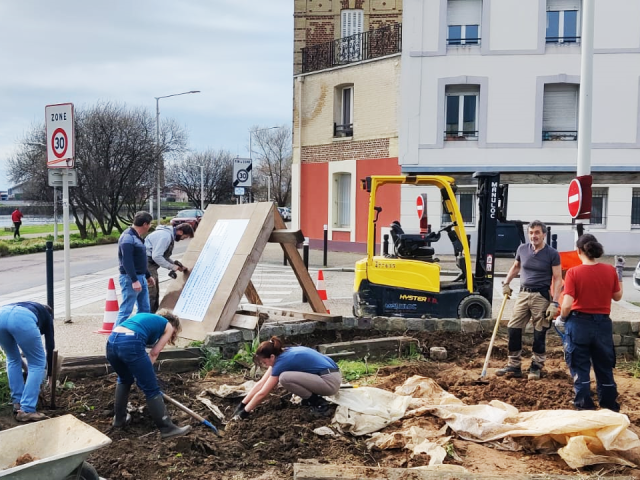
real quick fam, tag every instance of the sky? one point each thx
(238, 53)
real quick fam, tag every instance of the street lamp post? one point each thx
(251, 132)
(202, 187)
(159, 163)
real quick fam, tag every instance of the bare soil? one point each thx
(279, 433)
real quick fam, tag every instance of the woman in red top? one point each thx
(588, 291)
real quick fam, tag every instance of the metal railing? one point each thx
(461, 135)
(463, 41)
(343, 130)
(362, 46)
(563, 39)
(562, 135)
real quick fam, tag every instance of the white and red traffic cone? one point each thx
(321, 289)
(110, 309)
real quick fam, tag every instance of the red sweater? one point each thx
(592, 287)
(16, 216)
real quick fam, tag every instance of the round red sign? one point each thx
(574, 200)
(420, 205)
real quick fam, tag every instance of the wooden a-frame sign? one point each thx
(221, 259)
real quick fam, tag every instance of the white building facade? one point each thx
(493, 85)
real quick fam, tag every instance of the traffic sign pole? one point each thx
(67, 249)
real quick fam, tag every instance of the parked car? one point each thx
(285, 212)
(192, 217)
(636, 277)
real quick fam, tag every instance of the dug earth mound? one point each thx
(279, 433)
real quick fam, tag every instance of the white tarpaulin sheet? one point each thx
(580, 437)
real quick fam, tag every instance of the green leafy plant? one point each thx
(245, 355)
(5, 392)
(213, 362)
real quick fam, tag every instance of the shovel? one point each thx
(200, 418)
(493, 338)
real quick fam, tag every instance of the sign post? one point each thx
(421, 208)
(60, 154)
(242, 176)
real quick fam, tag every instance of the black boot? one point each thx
(121, 418)
(158, 412)
(316, 400)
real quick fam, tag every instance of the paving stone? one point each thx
(438, 353)
(381, 323)
(449, 324)
(397, 324)
(416, 324)
(215, 338)
(233, 336)
(621, 327)
(469, 325)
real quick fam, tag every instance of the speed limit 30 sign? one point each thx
(60, 135)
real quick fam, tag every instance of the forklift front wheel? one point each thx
(474, 306)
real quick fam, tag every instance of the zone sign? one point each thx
(60, 135)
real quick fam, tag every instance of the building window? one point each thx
(352, 25)
(599, 207)
(463, 22)
(466, 199)
(343, 123)
(560, 112)
(461, 112)
(563, 21)
(342, 196)
(635, 208)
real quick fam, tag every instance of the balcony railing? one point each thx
(343, 130)
(562, 135)
(461, 135)
(463, 41)
(362, 46)
(563, 39)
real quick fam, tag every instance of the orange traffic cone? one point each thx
(110, 309)
(321, 288)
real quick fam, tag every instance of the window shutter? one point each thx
(557, 5)
(464, 12)
(463, 90)
(560, 111)
(352, 22)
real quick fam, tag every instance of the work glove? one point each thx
(552, 311)
(559, 323)
(506, 290)
(181, 267)
(239, 408)
(619, 267)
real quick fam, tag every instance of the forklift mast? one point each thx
(492, 205)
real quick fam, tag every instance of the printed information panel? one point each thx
(208, 271)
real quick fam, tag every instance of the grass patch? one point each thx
(25, 246)
(637, 304)
(5, 392)
(631, 367)
(44, 229)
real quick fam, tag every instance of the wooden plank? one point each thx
(252, 294)
(175, 365)
(284, 313)
(247, 322)
(169, 353)
(301, 272)
(286, 236)
(374, 347)
(309, 471)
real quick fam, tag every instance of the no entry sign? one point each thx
(421, 206)
(60, 135)
(574, 200)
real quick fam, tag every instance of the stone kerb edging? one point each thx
(228, 342)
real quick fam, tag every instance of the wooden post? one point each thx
(54, 378)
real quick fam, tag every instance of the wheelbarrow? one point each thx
(59, 447)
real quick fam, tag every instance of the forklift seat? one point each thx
(411, 245)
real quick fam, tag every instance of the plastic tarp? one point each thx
(579, 437)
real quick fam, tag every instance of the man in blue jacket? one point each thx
(135, 278)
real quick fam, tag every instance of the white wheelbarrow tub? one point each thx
(61, 444)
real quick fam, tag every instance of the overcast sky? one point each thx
(238, 53)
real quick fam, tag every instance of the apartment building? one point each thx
(345, 118)
(493, 85)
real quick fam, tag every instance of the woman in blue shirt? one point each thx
(22, 325)
(300, 370)
(126, 352)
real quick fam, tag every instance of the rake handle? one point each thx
(185, 409)
(493, 337)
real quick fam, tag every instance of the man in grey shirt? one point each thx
(538, 264)
(159, 246)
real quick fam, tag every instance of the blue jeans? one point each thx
(588, 341)
(130, 298)
(127, 355)
(19, 331)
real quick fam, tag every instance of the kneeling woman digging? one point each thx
(300, 370)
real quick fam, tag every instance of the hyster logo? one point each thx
(413, 298)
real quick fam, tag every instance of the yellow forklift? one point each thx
(407, 282)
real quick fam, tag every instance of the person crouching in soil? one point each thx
(300, 370)
(126, 352)
(588, 340)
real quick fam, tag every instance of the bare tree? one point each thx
(115, 162)
(217, 169)
(272, 156)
